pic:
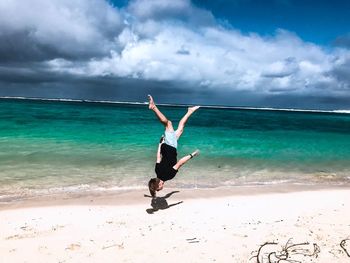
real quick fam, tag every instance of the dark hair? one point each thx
(153, 185)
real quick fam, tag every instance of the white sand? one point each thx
(223, 229)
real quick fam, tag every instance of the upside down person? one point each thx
(167, 165)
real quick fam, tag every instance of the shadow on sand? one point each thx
(160, 203)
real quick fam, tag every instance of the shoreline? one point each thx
(140, 196)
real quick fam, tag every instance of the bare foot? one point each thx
(196, 153)
(193, 109)
(151, 104)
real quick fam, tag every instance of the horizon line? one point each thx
(342, 111)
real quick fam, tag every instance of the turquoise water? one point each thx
(48, 147)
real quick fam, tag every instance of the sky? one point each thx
(271, 53)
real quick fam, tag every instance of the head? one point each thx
(155, 184)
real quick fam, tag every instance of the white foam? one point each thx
(342, 111)
(119, 188)
(85, 188)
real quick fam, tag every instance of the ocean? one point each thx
(53, 147)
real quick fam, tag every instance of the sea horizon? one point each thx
(214, 106)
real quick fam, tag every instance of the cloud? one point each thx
(162, 41)
(343, 41)
(39, 29)
(281, 69)
(158, 9)
(341, 72)
(180, 10)
(220, 58)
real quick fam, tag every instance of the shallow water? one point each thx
(48, 147)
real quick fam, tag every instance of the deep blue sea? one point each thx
(53, 146)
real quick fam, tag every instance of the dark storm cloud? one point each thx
(26, 75)
(93, 88)
(343, 41)
(342, 74)
(22, 46)
(172, 49)
(19, 46)
(302, 101)
(129, 89)
(282, 90)
(43, 30)
(277, 74)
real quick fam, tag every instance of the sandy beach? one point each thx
(239, 109)
(185, 226)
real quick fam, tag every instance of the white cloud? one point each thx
(218, 58)
(173, 41)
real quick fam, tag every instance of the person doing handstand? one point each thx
(167, 165)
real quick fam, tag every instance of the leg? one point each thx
(183, 121)
(152, 106)
(185, 159)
